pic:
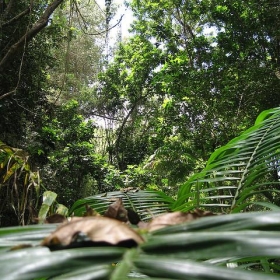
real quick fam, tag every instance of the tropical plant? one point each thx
(50, 206)
(146, 203)
(19, 185)
(20, 190)
(242, 175)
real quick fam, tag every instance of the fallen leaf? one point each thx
(90, 212)
(175, 218)
(20, 246)
(117, 211)
(92, 231)
(55, 218)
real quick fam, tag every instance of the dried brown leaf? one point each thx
(91, 231)
(175, 218)
(90, 212)
(55, 218)
(117, 211)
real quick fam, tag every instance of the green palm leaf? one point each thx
(202, 249)
(33, 263)
(145, 203)
(30, 235)
(240, 174)
(186, 269)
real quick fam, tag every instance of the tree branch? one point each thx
(30, 34)
(7, 94)
(17, 17)
(8, 8)
(104, 31)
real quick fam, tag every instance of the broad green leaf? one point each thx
(209, 245)
(62, 209)
(49, 198)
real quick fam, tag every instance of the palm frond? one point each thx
(240, 174)
(145, 203)
(34, 263)
(200, 250)
(185, 269)
(28, 235)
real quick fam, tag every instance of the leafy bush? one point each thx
(66, 151)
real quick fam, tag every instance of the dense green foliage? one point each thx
(234, 246)
(167, 122)
(23, 77)
(192, 76)
(39, 114)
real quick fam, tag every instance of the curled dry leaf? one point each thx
(92, 231)
(117, 211)
(175, 218)
(90, 212)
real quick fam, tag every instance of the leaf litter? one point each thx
(118, 226)
(113, 228)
